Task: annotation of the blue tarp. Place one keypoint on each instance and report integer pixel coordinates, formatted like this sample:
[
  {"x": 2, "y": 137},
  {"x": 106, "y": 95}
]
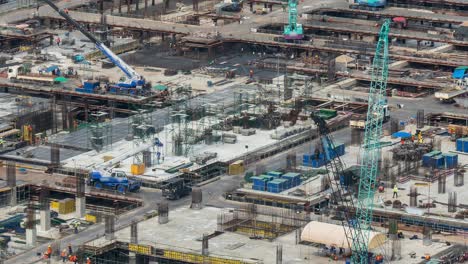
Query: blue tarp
[
  {"x": 459, "y": 72},
  {"x": 51, "y": 68},
  {"x": 401, "y": 134}
]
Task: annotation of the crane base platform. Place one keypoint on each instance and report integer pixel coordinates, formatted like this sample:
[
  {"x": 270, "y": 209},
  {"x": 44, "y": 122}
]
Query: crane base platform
[{"x": 294, "y": 36}]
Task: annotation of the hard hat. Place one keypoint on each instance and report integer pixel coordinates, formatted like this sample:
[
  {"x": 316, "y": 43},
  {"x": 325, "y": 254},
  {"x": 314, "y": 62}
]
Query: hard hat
[
  {"x": 87, "y": 258},
  {"x": 49, "y": 246}
]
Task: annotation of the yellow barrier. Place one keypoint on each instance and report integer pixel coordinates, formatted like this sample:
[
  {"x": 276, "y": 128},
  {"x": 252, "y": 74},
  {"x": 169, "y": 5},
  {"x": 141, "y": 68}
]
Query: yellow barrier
[
  {"x": 137, "y": 169},
  {"x": 198, "y": 259},
  {"x": 142, "y": 249},
  {"x": 91, "y": 218}
]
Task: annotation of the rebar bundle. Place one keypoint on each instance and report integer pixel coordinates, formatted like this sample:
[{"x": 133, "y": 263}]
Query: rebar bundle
[
  {"x": 452, "y": 202},
  {"x": 442, "y": 183}
]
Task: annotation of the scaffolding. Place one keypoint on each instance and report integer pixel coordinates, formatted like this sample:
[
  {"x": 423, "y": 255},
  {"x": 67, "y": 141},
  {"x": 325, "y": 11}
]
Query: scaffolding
[{"x": 195, "y": 122}]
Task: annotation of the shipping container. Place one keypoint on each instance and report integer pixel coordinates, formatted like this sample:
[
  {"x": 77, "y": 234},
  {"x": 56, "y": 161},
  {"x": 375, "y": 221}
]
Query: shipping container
[
  {"x": 426, "y": 160},
  {"x": 258, "y": 188},
  {"x": 459, "y": 144},
  {"x": 438, "y": 161},
  {"x": 294, "y": 178},
  {"x": 451, "y": 160},
  {"x": 274, "y": 186},
  {"x": 275, "y": 174},
  {"x": 465, "y": 145}
]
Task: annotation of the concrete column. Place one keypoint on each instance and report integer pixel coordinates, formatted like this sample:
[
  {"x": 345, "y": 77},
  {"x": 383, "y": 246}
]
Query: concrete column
[
  {"x": 13, "y": 199},
  {"x": 80, "y": 203},
  {"x": 132, "y": 258},
  {"x": 146, "y": 8},
  {"x": 31, "y": 236},
  {"x": 45, "y": 219},
  {"x": 137, "y": 5}
]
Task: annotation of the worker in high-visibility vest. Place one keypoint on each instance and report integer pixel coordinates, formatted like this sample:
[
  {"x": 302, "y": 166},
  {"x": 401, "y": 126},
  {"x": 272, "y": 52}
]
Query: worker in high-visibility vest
[
  {"x": 395, "y": 191},
  {"x": 64, "y": 255},
  {"x": 88, "y": 261},
  {"x": 2, "y": 142},
  {"x": 48, "y": 252},
  {"x": 73, "y": 258}
]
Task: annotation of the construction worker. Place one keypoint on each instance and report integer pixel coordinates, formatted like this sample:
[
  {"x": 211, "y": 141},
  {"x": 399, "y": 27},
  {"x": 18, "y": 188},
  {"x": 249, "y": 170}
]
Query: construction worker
[
  {"x": 64, "y": 255},
  {"x": 88, "y": 261},
  {"x": 73, "y": 258},
  {"x": 381, "y": 188},
  {"x": 2, "y": 142},
  {"x": 70, "y": 250},
  {"x": 48, "y": 252},
  {"x": 395, "y": 191}
]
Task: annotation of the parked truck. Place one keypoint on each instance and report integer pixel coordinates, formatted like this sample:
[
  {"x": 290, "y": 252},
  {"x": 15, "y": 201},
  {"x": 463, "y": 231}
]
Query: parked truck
[
  {"x": 19, "y": 74},
  {"x": 115, "y": 180},
  {"x": 175, "y": 188}
]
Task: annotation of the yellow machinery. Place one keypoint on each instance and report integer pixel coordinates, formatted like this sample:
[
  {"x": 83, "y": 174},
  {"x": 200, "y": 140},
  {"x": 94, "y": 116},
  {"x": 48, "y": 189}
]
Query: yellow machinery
[
  {"x": 28, "y": 134},
  {"x": 236, "y": 167}
]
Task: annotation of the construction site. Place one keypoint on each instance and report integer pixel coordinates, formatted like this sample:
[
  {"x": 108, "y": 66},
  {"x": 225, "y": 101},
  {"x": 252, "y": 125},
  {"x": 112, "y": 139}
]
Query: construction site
[{"x": 233, "y": 131}]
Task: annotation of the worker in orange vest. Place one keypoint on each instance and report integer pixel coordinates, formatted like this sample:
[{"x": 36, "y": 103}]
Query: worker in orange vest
[
  {"x": 73, "y": 258},
  {"x": 48, "y": 253},
  {"x": 64, "y": 255},
  {"x": 88, "y": 261}
]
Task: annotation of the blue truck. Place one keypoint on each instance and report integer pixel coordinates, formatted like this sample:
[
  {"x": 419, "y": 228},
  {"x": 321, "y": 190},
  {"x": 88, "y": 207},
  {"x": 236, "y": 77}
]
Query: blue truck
[{"x": 115, "y": 180}]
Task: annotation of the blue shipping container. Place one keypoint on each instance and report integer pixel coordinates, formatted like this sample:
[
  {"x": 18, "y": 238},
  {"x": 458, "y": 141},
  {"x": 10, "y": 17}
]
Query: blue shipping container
[
  {"x": 459, "y": 144},
  {"x": 465, "y": 145},
  {"x": 426, "y": 160},
  {"x": 451, "y": 160},
  {"x": 258, "y": 188},
  {"x": 275, "y": 174},
  {"x": 438, "y": 161},
  {"x": 274, "y": 186}
]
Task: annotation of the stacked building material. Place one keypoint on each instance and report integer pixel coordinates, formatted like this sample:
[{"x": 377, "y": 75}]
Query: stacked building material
[
  {"x": 320, "y": 160},
  {"x": 64, "y": 206},
  {"x": 276, "y": 181}
]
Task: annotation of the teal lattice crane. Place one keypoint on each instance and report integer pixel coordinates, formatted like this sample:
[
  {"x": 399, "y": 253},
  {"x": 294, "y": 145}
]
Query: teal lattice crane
[
  {"x": 371, "y": 149},
  {"x": 293, "y": 30}
]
